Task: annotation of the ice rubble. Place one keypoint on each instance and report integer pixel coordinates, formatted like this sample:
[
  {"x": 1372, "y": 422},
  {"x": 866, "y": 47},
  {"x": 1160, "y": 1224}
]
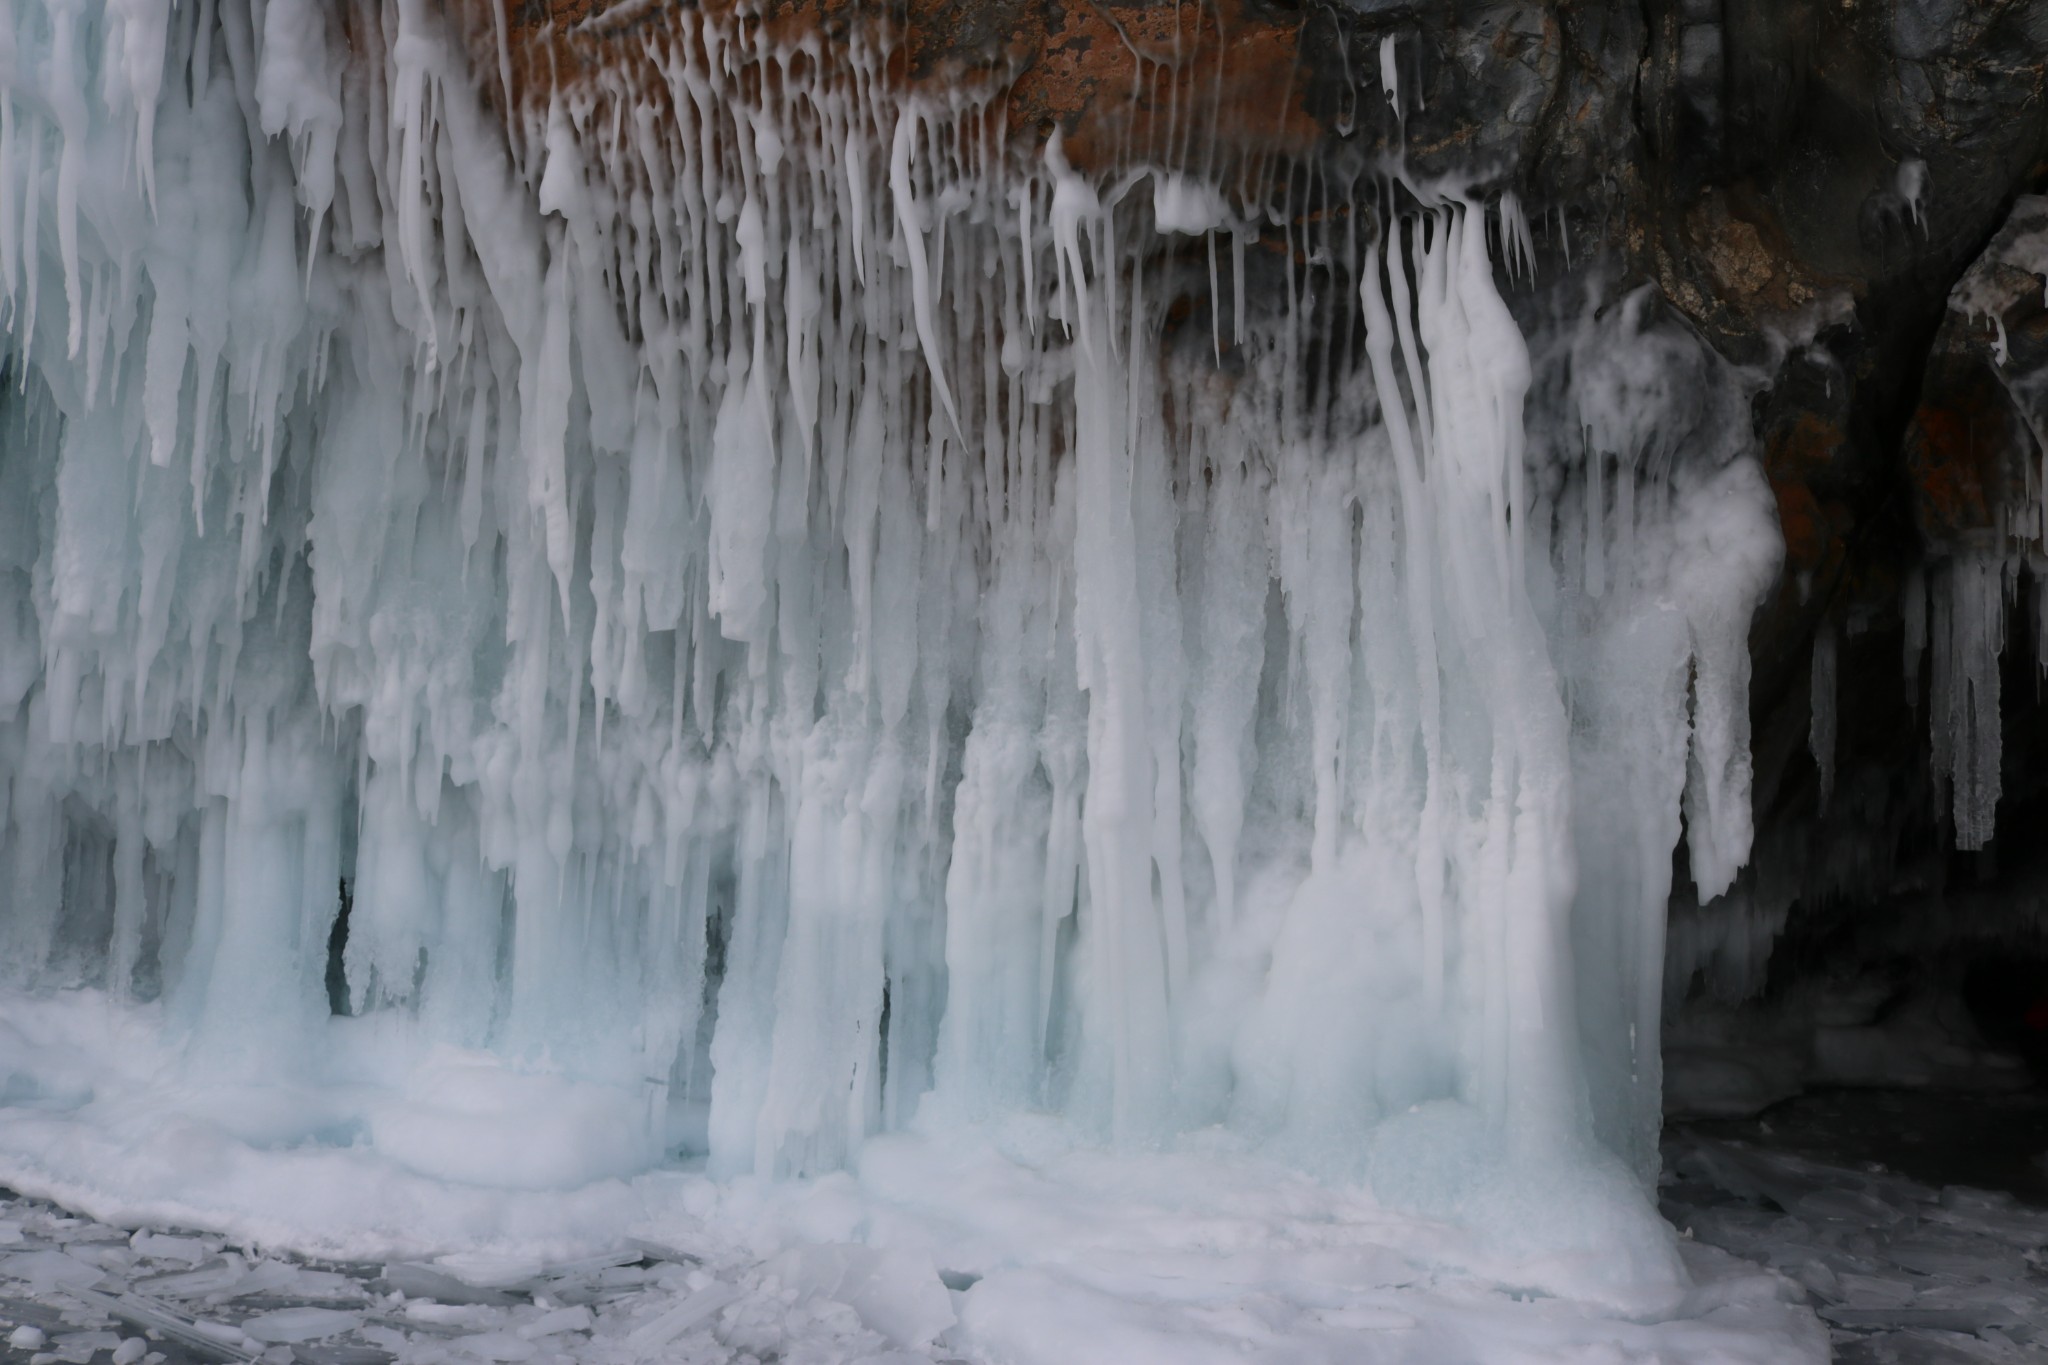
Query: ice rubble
[
  {"x": 142, "y": 1299},
  {"x": 1899, "y": 1270},
  {"x": 742, "y": 577}
]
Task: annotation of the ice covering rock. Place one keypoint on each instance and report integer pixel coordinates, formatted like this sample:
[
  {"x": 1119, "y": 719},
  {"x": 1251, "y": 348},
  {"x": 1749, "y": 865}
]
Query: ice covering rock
[{"x": 778, "y": 630}]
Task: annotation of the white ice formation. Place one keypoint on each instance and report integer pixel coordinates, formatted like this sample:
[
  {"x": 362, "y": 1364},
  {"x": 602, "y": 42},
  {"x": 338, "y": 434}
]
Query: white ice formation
[
  {"x": 779, "y": 623},
  {"x": 1958, "y": 612}
]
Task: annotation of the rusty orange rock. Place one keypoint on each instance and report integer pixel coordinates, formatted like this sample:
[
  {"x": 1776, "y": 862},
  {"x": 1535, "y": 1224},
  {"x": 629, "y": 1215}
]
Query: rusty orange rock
[
  {"x": 1201, "y": 85},
  {"x": 1954, "y": 451},
  {"x": 1797, "y": 456}
]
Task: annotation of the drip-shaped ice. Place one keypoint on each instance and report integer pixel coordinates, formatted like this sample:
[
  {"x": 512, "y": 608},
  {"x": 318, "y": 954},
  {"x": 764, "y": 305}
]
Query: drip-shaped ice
[{"x": 748, "y": 587}]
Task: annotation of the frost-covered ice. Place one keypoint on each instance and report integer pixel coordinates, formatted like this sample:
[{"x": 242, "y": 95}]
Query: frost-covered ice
[{"x": 785, "y": 638}]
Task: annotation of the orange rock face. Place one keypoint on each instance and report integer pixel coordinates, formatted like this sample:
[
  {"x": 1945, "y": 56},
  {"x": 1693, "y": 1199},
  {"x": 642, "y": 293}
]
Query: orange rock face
[
  {"x": 1956, "y": 450},
  {"x": 1795, "y": 458},
  {"x": 1206, "y": 86},
  {"x": 1174, "y": 83}
]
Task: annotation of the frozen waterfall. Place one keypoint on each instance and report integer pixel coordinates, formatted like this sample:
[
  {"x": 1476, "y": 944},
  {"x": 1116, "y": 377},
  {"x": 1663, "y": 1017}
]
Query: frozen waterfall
[{"x": 788, "y": 614}]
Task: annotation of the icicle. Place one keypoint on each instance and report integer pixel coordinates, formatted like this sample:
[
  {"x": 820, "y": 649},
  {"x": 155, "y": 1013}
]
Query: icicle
[
  {"x": 910, "y": 219},
  {"x": 1968, "y": 636},
  {"x": 1910, "y": 183},
  {"x": 1390, "y": 74},
  {"x": 1517, "y": 246}
]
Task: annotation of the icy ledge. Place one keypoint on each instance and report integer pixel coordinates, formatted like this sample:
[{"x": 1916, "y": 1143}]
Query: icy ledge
[{"x": 789, "y": 616}]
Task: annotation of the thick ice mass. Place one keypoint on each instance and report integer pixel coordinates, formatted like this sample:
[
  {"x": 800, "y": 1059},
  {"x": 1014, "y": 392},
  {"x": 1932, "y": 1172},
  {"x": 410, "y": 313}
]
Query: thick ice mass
[{"x": 789, "y": 614}]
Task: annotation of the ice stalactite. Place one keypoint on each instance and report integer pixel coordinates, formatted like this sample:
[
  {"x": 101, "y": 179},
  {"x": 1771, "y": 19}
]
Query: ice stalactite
[
  {"x": 1967, "y": 636},
  {"x": 1956, "y": 611},
  {"x": 779, "y": 618}
]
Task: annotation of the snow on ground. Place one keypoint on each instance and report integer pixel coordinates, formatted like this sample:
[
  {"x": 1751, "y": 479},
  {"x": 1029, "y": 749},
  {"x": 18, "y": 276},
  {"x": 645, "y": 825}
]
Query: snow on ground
[{"x": 1018, "y": 1244}]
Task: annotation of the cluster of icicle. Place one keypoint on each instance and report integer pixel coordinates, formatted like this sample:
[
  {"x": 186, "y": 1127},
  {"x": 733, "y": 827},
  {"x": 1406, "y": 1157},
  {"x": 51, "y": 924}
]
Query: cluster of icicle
[
  {"x": 1956, "y": 611},
  {"x": 745, "y": 585}
]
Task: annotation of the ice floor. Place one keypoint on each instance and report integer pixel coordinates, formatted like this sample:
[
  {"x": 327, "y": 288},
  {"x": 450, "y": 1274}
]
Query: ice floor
[
  {"x": 1022, "y": 1243},
  {"x": 202, "y": 1225},
  {"x": 79, "y": 1291},
  {"x": 1903, "y": 1272},
  {"x": 1898, "y": 1270},
  {"x": 1019, "y": 1242}
]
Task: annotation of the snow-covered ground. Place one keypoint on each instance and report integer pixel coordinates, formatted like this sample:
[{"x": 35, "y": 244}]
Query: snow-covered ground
[
  {"x": 78, "y": 1290},
  {"x": 201, "y": 1226},
  {"x": 1899, "y": 1270},
  {"x": 1017, "y": 1242}
]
